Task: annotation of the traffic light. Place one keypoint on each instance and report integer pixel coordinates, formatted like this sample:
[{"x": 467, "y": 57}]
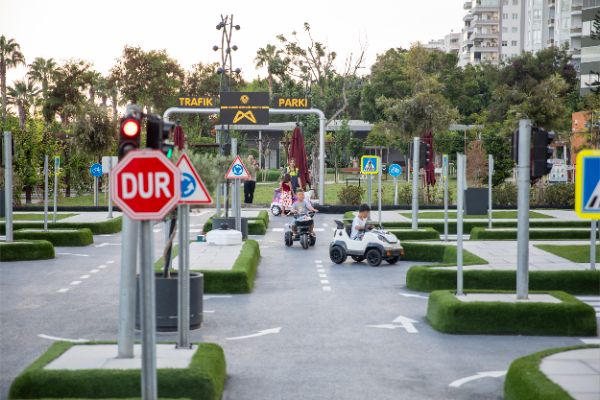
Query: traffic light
[
  {"x": 541, "y": 152},
  {"x": 423, "y": 155},
  {"x": 514, "y": 150},
  {"x": 129, "y": 135},
  {"x": 157, "y": 135}
]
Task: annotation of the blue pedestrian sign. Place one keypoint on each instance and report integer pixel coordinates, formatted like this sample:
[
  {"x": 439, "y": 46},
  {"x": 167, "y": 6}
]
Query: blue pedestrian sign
[
  {"x": 96, "y": 170},
  {"x": 395, "y": 170},
  {"x": 587, "y": 184},
  {"x": 369, "y": 165}
]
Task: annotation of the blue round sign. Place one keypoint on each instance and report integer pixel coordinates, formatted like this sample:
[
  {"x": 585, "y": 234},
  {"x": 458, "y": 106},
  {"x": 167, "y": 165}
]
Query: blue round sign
[
  {"x": 96, "y": 170},
  {"x": 395, "y": 170},
  {"x": 188, "y": 185}
]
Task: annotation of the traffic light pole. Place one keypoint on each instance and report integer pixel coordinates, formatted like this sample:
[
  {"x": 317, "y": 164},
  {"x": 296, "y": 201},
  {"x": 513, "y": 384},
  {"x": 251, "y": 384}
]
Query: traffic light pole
[
  {"x": 523, "y": 209},
  {"x": 593, "y": 246},
  {"x": 8, "y": 186},
  {"x": 183, "y": 278},
  {"x": 415, "y": 189},
  {"x": 369, "y": 192},
  {"x": 45, "y": 193},
  {"x": 148, "y": 313},
  {"x": 460, "y": 184},
  {"x": 127, "y": 295},
  {"x": 379, "y": 197}
]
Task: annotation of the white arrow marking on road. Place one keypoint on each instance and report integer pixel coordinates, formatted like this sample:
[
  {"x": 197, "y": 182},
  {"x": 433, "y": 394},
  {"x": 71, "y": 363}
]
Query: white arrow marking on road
[
  {"x": 490, "y": 374},
  {"x": 414, "y": 295},
  {"x": 260, "y": 333},
  {"x": 407, "y": 324},
  {"x": 384, "y": 326},
  {"x": 63, "y": 340}
]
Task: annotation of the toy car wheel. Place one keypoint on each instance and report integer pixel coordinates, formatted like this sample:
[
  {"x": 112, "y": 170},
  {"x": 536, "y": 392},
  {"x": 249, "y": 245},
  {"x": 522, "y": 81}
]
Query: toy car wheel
[
  {"x": 337, "y": 254},
  {"x": 393, "y": 260},
  {"x": 276, "y": 211},
  {"x": 304, "y": 241},
  {"x": 288, "y": 239},
  {"x": 374, "y": 257},
  {"x": 313, "y": 240},
  {"x": 358, "y": 258}
]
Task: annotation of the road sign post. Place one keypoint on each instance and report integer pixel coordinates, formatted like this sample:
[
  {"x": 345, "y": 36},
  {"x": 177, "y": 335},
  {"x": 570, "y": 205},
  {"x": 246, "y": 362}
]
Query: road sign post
[
  {"x": 96, "y": 171},
  {"x": 587, "y": 194},
  {"x": 45, "y": 193},
  {"x": 8, "y": 186},
  {"x": 490, "y": 173},
  {"x": 379, "y": 197},
  {"x": 369, "y": 165},
  {"x": 107, "y": 165},
  {"x": 415, "y": 189},
  {"x": 395, "y": 171},
  {"x": 127, "y": 293},
  {"x": 460, "y": 193},
  {"x": 523, "y": 209},
  {"x": 445, "y": 175},
  {"x": 56, "y": 171}
]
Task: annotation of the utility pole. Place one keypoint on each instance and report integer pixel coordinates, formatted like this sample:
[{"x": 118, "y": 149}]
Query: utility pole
[
  {"x": 523, "y": 209},
  {"x": 415, "y": 189}
]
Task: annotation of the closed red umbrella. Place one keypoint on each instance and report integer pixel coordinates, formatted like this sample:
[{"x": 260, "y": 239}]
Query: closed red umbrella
[
  {"x": 429, "y": 168},
  {"x": 179, "y": 138},
  {"x": 298, "y": 151}
]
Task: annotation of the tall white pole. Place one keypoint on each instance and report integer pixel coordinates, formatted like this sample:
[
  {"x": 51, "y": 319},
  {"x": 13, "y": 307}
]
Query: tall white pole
[
  {"x": 523, "y": 209},
  {"x": 460, "y": 177},
  {"x": 56, "y": 165},
  {"x": 593, "y": 246},
  {"x": 183, "y": 278},
  {"x": 415, "y": 189},
  {"x": 379, "y": 197},
  {"x": 321, "y": 160},
  {"x": 490, "y": 173},
  {"x": 110, "y": 215},
  {"x": 445, "y": 172},
  {"x": 127, "y": 295},
  {"x": 148, "y": 313},
  {"x": 235, "y": 195},
  {"x": 46, "y": 192},
  {"x": 8, "y": 185},
  {"x": 395, "y": 191}
]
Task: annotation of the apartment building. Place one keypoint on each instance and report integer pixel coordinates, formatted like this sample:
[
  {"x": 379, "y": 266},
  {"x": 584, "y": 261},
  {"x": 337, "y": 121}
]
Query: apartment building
[
  {"x": 450, "y": 43},
  {"x": 493, "y": 30},
  {"x": 590, "y": 48}
]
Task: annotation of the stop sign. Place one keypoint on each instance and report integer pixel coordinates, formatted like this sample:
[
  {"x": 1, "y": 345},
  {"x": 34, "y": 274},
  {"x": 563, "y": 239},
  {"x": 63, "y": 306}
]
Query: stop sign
[{"x": 145, "y": 185}]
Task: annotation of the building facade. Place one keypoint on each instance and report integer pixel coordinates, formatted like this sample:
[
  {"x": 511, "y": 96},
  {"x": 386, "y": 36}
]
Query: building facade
[{"x": 590, "y": 48}]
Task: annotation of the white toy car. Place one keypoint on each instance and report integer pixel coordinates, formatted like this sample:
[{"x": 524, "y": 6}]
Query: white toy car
[{"x": 376, "y": 245}]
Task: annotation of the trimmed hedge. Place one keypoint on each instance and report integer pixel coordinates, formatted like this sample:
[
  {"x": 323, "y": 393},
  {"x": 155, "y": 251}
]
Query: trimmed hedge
[
  {"x": 468, "y": 225},
  {"x": 256, "y": 225},
  {"x": 37, "y": 250},
  {"x": 427, "y": 278},
  {"x": 428, "y": 234},
  {"x": 547, "y": 234},
  {"x": 98, "y": 228},
  {"x": 239, "y": 279},
  {"x": 572, "y": 317},
  {"x": 203, "y": 379},
  {"x": 525, "y": 381},
  {"x": 66, "y": 238},
  {"x": 440, "y": 253}
]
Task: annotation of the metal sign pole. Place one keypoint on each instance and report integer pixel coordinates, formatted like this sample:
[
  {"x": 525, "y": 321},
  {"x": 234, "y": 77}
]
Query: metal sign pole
[
  {"x": 56, "y": 165},
  {"x": 369, "y": 193},
  {"x": 415, "y": 188},
  {"x": 593, "y": 246},
  {"x": 183, "y": 281},
  {"x": 491, "y": 171},
  {"x": 148, "y": 314},
  {"x": 445, "y": 172},
  {"x": 8, "y": 186},
  {"x": 96, "y": 197},
  {"x": 235, "y": 196},
  {"x": 395, "y": 191},
  {"x": 129, "y": 241},
  {"x": 46, "y": 192},
  {"x": 379, "y": 197},
  {"x": 108, "y": 188},
  {"x": 523, "y": 209},
  {"x": 459, "y": 223}
]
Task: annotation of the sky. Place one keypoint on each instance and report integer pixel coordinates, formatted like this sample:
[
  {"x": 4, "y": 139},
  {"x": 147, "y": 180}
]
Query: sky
[{"x": 98, "y": 30}]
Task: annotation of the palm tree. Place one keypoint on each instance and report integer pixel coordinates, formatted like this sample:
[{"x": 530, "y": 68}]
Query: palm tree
[
  {"x": 10, "y": 57},
  {"x": 40, "y": 70},
  {"x": 113, "y": 86},
  {"x": 23, "y": 95},
  {"x": 264, "y": 58},
  {"x": 91, "y": 79}
]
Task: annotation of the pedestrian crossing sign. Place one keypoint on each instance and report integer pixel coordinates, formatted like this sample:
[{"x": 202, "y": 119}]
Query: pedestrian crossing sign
[
  {"x": 369, "y": 165},
  {"x": 587, "y": 184}
]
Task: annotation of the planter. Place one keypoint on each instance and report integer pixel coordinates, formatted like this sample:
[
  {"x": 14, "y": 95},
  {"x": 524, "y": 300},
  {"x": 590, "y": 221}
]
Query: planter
[
  {"x": 166, "y": 302},
  {"x": 216, "y": 224},
  {"x": 476, "y": 201}
]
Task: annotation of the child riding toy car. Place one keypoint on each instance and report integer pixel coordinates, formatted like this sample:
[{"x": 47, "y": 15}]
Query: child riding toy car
[
  {"x": 301, "y": 229},
  {"x": 275, "y": 205}
]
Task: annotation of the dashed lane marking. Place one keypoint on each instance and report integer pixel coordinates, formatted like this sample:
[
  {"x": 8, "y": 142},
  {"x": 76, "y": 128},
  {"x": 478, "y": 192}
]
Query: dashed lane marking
[
  {"x": 325, "y": 225},
  {"x": 110, "y": 262},
  {"x": 327, "y": 288},
  {"x": 325, "y": 282},
  {"x": 94, "y": 271},
  {"x": 157, "y": 230},
  {"x": 320, "y": 270},
  {"x": 72, "y": 254},
  {"x": 102, "y": 266},
  {"x": 318, "y": 261},
  {"x": 84, "y": 276},
  {"x": 277, "y": 229},
  {"x": 322, "y": 275},
  {"x": 75, "y": 282},
  {"x": 63, "y": 290}
]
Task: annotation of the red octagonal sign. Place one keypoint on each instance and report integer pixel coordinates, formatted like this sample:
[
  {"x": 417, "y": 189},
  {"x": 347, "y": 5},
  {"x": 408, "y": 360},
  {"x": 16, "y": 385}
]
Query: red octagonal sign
[{"x": 145, "y": 185}]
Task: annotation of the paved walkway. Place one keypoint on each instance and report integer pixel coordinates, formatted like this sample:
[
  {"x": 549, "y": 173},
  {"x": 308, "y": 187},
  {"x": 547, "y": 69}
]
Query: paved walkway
[
  {"x": 576, "y": 371},
  {"x": 553, "y": 215},
  {"x": 209, "y": 257}
]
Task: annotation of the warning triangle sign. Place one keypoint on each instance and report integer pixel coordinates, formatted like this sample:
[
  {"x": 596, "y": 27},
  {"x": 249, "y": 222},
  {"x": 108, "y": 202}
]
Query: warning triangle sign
[
  {"x": 193, "y": 190},
  {"x": 237, "y": 170}
]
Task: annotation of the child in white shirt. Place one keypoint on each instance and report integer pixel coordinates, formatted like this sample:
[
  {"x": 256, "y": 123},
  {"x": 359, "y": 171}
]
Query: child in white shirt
[{"x": 360, "y": 222}]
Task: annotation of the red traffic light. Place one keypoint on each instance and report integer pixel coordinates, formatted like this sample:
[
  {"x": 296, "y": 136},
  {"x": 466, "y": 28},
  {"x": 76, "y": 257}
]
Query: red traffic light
[{"x": 131, "y": 128}]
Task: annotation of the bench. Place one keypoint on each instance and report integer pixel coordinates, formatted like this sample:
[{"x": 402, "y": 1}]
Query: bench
[{"x": 352, "y": 171}]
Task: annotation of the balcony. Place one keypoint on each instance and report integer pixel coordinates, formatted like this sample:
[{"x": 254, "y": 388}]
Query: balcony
[
  {"x": 575, "y": 31},
  {"x": 551, "y": 22},
  {"x": 467, "y": 5},
  {"x": 576, "y": 6},
  {"x": 550, "y": 42},
  {"x": 486, "y": 49},
  {"x": 551, "y": 3},
  {"x": 468, "y": 17},
  {"x": 575, "y": 53},
  {"x": 485, "y": 22},
  {"x": 481, "y": 36},
  {"x": 485, "y": 6}
]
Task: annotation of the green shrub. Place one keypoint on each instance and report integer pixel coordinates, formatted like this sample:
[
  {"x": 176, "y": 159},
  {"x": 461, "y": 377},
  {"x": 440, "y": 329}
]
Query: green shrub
[
  {"x": 26, "y": 250},
  {"x": 98, "y": 228},
  {"x": 525, "y": 381},
  {"x": 558, "y": 194},
  {"x": 549, "y": 234},
  {"x": 58, "y": 237},
  {"x": 468, "y": 225},
  {"x": 571, "y": 317},
  {"x": 255, "y": 226},
  {"x": 504, "y": 194},
  {"x": 351, "y": 195},
  {"x": 429, "y": 233},
  {"x": 203, "y": 379},
  {"x": 439, "y": 253}
]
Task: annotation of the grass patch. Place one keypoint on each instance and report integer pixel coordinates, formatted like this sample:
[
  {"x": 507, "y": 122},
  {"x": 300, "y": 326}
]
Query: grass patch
[
  {"x": 30, "y": 251},
  {"x": 423, "y": 234},
  {"x": 239, "y": 279},
  {"x": 572, "y": 317},
  {"x": 98, "y": 228},
  {"x": 64, "y": 238},
  {"x": 469, "y": 225},
  {"x": 575, "y": 253},
  {"x": 495, "y": 215},
  {"x": 38, "y": 217},
  {"x": 546, "y": 234},
  {"x": 203, "y": 379},
  {"x": 525, "y": 381},
  {"x": 444, "y": 254}
]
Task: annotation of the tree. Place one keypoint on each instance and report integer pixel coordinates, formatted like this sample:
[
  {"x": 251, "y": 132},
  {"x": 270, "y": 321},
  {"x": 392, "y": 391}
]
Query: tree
[
  {"x": 92, "y": 81},
  {"x": 64, "y": 95},
  {"x": 41, "y": 71},
  {"x": 339, "y": 138},
  {"x": 94, "y": 132},
  {"x": 269, "y": 58},
  {"x": 10, "y": 57},
  {"x": 23, "y": 95},
  {"x": 356, "y": 148}
]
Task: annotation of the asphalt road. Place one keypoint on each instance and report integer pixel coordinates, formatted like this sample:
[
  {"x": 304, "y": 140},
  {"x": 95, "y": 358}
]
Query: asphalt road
[{"x": 324, "y": 348}]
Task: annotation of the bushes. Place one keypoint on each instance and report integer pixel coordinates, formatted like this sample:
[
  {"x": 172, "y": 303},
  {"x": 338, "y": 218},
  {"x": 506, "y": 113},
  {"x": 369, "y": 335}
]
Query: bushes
[
  {"x": 468, "y": 225},
  {"x": 436, "y": 194},
  {"x": 547, "y": 234},
  {"x": 97, "y": 228},
  {"x": 58, "y": 237},
  {"x": 445, "y": 254},
  {"x": 351, "y": 195},
  {"x": 29, "y": 251},
  {"x": 553, "y": 194},
  {"x": 571, "y": 317},
  {"x": 421, "y": 234}
]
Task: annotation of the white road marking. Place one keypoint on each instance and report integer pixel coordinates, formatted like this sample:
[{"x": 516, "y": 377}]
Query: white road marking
[
  {"x": 318, "y": 262},
  {"x": 72, "y": 254},
  {"x": 407, "y": 324},
  {"x": 384, "y": 326},
  {"x": 75, "y": 282},
  {"x": 102, "y": 266},
  {"x": 63, "y": 339},
  {"x": 195, "y": 230},
  {"x": 318, "y": 229},
  {"x": 216, "y": 297},
  {"x": 110, "y": 262},
  {"x": 208, "y": 312},
  {"x": 101, "y": 245},
  {"x": 325, "y": 225},
  {"x": 590, "y": 341},
  {"x": 157, "y": 230},
  {"x": 84, "y": 276},
  {"x": 320, "y": 270},
  {"x": 277, "y": 229},
  {"x": 63, "y": 290},
  {"x": 202, "y": 213},
  {"x": 322, "y": 275},
  {"x": 327, "y": 288},
  {"x": 414, "y": 295},
  {"x": 490, "y": 374},
  {"x": 325, "y": 282},
  {"x": 106, "y": 235},
  {"x": 94, "y": 271},
  {"x": 260, "y": 333}
]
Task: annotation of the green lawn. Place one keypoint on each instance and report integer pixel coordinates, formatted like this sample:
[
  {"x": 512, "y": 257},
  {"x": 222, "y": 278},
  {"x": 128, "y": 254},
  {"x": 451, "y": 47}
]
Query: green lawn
[
  {"x": 38, "y": 217},
  {"x": 578, "y": 253},
  {"x": 495, "y": 215},
  {"x": 86, "y": 200}
]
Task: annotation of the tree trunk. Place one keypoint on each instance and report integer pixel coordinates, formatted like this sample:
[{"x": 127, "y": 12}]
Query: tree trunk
[
  {"x": 92, "y": 93},
  {"x": 22, "y": 117},
  {"x": 314, "y": 171},
  {"x": 114, "y": 107},
  {"x": 28, "y": 191},
  {"x": 270, "y": 79},
  {"x": 64, "y": 121}
]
